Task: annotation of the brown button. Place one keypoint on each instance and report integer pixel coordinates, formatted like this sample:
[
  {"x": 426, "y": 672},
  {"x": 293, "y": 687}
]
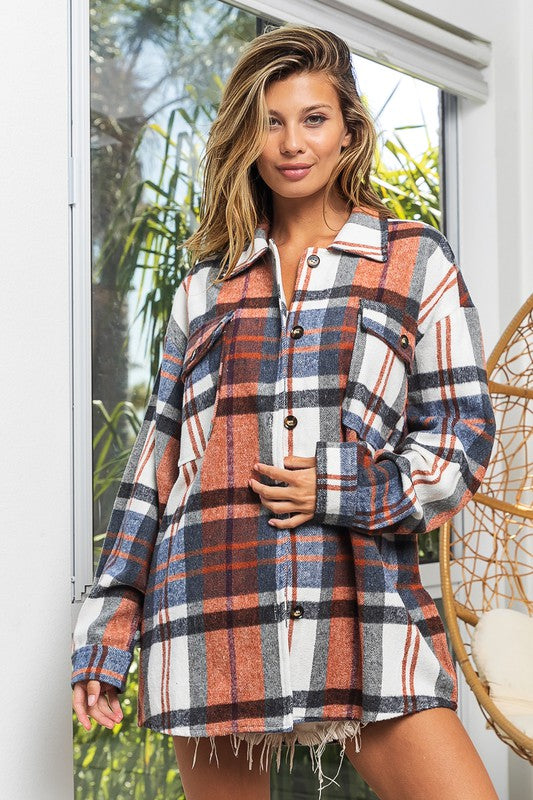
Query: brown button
[
  {"x": 404, "y": 341},
  {"x": 290, "y": 422},
  {"x": 297, "y": 332},
  {"x": 297, "y": 612},
  {"x": 313, "y": 260}
]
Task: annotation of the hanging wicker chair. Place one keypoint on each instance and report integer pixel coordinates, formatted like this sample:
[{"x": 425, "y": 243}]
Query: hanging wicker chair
[{"x": 487, "y": 562}]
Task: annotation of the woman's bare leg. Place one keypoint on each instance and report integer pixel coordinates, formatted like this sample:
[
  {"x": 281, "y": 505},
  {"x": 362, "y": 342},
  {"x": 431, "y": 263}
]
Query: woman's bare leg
[
  {"x": 231, "y": 779},
  {"x": 421, "y": 755}
]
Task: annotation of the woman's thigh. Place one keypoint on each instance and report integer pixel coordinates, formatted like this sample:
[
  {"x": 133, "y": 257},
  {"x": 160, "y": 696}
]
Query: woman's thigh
[
  {"x": 232, "y": 778},
  {"x": 421, "y": 755}
]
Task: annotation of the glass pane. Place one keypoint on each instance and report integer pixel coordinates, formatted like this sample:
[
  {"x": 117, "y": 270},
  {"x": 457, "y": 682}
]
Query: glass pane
[
  {"x": 406, "y": 114},
  {"x": 157, "y": 72}
]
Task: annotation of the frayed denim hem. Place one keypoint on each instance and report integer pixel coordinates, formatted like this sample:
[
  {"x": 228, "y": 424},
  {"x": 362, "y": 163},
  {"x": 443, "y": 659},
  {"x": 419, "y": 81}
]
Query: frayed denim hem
[{"x": 315, "y": 735}]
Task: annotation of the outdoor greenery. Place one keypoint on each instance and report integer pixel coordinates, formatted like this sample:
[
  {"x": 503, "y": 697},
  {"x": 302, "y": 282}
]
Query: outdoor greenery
[
  {"x": 132, "y": 763},
  {"x": 127, "y": 762},
  {"x": 139, "y": 221}
]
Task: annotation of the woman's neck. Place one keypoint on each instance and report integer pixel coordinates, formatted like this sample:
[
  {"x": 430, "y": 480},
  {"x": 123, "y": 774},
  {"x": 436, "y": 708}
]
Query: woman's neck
[{"x": 301, "y": 220}]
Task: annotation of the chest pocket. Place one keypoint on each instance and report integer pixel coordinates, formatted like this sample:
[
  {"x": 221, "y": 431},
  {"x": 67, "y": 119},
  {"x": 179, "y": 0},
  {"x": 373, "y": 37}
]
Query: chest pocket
[
  {"x": 201, "y": 370},
  {"x": 376, "y": 390}
]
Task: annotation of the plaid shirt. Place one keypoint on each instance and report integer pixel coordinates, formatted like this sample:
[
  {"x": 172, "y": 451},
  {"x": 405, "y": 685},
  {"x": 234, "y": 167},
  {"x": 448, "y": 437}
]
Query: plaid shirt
[{"x": 378, "y": 370}]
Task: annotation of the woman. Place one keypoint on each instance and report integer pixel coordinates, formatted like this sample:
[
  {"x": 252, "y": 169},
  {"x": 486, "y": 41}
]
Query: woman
[{"x": 321, "y": 401}]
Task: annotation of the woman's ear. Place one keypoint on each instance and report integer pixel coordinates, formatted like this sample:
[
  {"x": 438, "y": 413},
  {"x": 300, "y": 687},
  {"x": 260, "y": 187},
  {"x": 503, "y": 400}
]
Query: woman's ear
[{"x": 347, "y": 139}]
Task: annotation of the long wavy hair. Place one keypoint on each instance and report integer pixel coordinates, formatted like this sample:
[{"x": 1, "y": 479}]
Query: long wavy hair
[{"x": 235, "y": 199}]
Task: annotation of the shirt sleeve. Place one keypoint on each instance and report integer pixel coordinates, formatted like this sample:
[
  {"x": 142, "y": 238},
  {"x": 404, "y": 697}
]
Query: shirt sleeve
[
  {"x": 107, "y": 627},
  {"x": 449, "y": 426}
]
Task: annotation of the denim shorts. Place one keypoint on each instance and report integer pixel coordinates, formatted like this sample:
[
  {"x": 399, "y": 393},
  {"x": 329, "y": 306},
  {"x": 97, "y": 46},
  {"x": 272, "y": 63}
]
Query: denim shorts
[{"x": 314, "y": 735}]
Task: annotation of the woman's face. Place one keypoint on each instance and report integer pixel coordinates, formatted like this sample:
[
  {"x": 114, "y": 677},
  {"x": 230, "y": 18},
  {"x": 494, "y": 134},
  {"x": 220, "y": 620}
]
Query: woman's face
[{"x": 306, "y": 134}]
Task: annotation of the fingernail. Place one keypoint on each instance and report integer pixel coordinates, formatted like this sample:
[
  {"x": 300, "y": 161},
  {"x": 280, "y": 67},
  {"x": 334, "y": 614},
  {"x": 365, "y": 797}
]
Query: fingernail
[{"x": 92, "y": 699}]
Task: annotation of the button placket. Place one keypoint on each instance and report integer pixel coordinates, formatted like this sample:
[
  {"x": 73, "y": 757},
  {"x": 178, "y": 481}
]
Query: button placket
[
  {"x": 280, "y": 433},
  {"x": 296, "y": 332}
]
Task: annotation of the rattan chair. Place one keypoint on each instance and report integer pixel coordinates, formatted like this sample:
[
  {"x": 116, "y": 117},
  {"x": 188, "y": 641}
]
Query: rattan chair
[{"x": 487, "y": 562}]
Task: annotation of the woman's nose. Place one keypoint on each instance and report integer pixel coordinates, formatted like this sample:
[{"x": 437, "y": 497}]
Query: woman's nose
[{"x": 292, "y": 139}]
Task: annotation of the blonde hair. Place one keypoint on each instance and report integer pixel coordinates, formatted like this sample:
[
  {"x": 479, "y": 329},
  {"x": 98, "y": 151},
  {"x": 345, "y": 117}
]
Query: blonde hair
[{"x": 235, "y": 198}]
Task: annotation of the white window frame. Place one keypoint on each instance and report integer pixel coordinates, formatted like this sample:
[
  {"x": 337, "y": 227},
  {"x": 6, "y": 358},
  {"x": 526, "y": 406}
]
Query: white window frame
[
  {"x": 396, "y": 35},
  {"x": 79, "y": 159}
]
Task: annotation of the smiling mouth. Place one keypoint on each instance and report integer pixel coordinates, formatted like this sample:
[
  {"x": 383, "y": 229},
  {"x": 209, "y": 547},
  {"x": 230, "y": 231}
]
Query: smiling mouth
[{"x": 294, "y": 172}]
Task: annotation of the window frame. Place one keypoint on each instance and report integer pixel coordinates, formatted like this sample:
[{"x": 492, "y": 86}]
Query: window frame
[
  {"x": 79, "y": 192},
  {"x": 404, "y": 38}
]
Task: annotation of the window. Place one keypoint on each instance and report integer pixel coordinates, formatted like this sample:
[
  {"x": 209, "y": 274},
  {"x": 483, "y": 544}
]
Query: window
[{"x": 156, "y": 76}]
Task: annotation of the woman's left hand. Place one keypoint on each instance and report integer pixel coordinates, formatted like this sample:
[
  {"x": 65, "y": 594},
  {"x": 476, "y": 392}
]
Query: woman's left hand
[{"x": 298, "y": 498}]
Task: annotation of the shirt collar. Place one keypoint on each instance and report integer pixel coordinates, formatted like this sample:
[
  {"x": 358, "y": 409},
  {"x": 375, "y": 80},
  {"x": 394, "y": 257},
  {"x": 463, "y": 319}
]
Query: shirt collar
[{"x": 364, "y": 233}]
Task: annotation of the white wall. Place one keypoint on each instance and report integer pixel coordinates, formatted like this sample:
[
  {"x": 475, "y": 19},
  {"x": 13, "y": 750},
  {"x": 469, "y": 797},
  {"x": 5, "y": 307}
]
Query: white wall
[
  {"x": 496, "y": 175},
  {"x": 495, "y": 172},
  {"x": 35, "y": 471}
]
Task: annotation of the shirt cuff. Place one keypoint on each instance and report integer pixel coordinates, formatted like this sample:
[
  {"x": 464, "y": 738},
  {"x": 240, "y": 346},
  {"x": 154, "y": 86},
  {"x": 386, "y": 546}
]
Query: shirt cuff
[
  {"x": 336, "y": 483},
  {"x": 101, "y": 663}
]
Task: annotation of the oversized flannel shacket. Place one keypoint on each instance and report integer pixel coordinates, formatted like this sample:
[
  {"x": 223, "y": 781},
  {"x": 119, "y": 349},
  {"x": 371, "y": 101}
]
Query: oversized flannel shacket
[{"x": 378, "y": 370}]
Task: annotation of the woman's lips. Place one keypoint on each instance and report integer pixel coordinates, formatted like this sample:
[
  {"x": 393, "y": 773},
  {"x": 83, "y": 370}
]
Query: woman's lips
[{"x": 295, "y": 173}]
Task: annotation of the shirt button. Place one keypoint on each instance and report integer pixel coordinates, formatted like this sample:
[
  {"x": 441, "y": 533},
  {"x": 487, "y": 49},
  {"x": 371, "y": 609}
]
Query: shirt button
[
  {"x": 297, "y": 612},
  {"x": 313, "y": 260},
  {"x": 290, "y": 421},
  {"x": 297, "y": 332},
  {"x": 404, "y": 341}
]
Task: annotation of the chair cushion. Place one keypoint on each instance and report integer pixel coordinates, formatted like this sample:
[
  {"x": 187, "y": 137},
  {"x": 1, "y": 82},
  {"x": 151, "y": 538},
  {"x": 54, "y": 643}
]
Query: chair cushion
[{"x": 502, "y": 649}]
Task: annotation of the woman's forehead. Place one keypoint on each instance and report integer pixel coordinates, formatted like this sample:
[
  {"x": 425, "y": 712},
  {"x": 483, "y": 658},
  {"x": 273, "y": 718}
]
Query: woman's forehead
[{"x": 307, "y": 90}]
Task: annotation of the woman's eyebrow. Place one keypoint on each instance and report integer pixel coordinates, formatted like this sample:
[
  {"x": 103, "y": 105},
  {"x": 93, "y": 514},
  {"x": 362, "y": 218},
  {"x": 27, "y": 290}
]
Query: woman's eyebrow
[{"x": 306, "y": 109}]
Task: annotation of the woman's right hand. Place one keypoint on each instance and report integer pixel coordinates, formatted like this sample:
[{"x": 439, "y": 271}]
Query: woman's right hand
[{"x": 98, "y": 700}]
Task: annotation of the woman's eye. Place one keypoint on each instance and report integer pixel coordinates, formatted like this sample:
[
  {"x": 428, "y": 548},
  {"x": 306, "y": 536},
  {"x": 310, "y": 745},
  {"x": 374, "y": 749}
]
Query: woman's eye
[{"x": 318, "y": 118}]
